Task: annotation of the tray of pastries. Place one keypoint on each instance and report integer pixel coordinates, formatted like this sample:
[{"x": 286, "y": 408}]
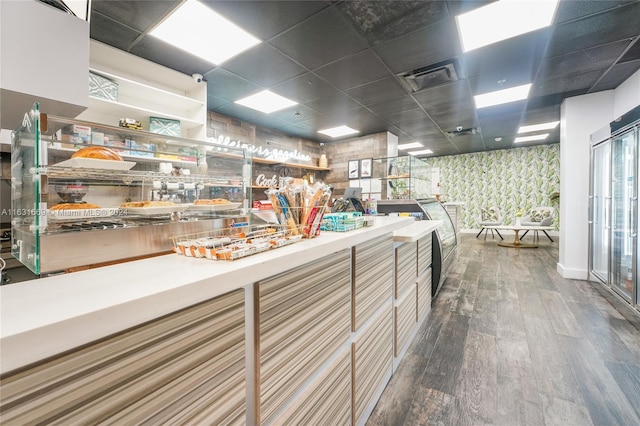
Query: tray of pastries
[
  {"x": 96, "y": 157},
  {"x": 213, "y": 205},
  {"x": 71, "y": 211},
  {"x": 233, "y": 247},
  {"x": 151, "y": 208}
]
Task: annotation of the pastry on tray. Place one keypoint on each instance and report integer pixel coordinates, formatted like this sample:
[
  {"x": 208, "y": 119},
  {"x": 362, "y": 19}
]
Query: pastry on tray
[
  {"x": 141, "y": 204},
  {"x": 212, "y": 202},
  {"x": 97, "y": 152},
  {"x": 74, "y": 206}
]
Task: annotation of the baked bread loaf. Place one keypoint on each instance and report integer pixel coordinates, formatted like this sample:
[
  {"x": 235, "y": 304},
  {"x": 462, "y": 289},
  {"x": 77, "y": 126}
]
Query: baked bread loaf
[
  {"x": 74, "y": 206},
  {"x": 132, "y": 204},
  {"x": 139, "y": 204},
  {"x": 97, "y": 152},
  {"x": 214, "y": 201}
]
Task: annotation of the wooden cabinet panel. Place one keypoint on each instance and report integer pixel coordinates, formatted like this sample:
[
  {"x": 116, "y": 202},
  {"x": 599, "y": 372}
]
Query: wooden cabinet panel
[
  {"x": 304, "y": 316},
  {"x": 424, "y": 253},
  {"x": 372, "y": 360},
  {"x": 373, "y": 278},
  {"x": 406, "y": 267},
  {"x": 327, "y": 401},
  {"x": 423, "y": 289},
  {"x": 188, "y": 366},
  {"x": 405, "y": 319}
]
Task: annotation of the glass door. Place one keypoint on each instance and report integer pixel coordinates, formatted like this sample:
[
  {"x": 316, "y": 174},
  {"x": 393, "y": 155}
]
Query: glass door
[
  {"x": 600, "y": 201},
  {"x": 623, "y": 208},
  {"x": 635, "y": 281}
]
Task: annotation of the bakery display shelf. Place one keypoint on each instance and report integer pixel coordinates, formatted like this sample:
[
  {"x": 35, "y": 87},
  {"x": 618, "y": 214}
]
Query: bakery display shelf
[
  {"x": 213, "y": 207},
  {"x": 154, "y": 211},
  {"x": 96, "y": 163},
  {"x": 153, "y": 167},
  {"x": 81, "y": 214},
  {"x": 233, "y": 243},
  {"x": 169, "y": 157},
  {"x": 59, "y": 226},
  {"x": 172, "y": 157},
  {"x": 131, "y": 176}
]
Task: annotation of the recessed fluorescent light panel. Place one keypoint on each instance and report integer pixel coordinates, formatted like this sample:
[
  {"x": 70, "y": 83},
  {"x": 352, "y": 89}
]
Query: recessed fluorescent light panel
[
  {"x": 513, "y": 94},
  {"x": 503, "y": 19},
  {"x": 531, "y": 138},
  {"x": 410, "y": 145},
  {"x": 199, "y": 30},
  {"x": 266, "y": 101},
  {"x": 421, "y": 152},
  {"x": 537, "y": 127},
  {"x": 335, "y": 132}
]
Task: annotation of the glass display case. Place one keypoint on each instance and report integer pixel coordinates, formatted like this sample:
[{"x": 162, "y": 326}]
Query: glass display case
[
  {"x": 402, "y": 178},
  {"x": 613, "y": 207},
  {"x": 445, "y": 243},
  {"x": 84, "y": 193}
]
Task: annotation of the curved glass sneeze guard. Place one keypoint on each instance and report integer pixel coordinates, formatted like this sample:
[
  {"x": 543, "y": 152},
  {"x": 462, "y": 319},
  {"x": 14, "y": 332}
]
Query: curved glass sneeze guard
[{"x": 436, "y": 211}]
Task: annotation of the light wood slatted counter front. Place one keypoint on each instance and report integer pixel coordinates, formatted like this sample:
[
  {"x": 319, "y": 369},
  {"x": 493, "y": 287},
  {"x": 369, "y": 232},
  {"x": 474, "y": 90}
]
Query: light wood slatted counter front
[
  {"x": 412, "y": 303},
  {"x": 302, "y": 335}
]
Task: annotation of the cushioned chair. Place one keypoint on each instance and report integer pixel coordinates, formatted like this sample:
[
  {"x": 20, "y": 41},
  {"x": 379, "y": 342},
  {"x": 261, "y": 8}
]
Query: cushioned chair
[
  {"x": 538, "y": 216},
  {"x": 490, "y": 216}
]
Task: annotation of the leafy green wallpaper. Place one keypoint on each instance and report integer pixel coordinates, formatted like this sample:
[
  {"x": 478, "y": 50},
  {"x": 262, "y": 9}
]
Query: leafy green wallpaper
[{"x": 512, "y": 179}]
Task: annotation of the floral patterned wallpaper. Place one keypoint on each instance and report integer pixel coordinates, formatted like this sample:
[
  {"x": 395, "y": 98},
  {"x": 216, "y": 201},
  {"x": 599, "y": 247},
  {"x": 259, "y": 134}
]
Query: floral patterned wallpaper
[{"x": 512, "y": 179}]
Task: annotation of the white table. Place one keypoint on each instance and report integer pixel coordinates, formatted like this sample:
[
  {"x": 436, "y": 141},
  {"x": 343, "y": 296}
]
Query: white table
[{"x": 516, "y": 229}]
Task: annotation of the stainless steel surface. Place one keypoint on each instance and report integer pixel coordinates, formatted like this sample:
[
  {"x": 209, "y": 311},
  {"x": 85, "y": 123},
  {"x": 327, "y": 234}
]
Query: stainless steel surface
[
  {"x": 72, "y": 249},
  {"x": 599, "y": 211},
  {"x": 397, "y": 206}
]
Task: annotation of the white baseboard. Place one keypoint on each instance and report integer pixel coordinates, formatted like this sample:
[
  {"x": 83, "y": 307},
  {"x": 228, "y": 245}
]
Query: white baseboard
[{"x": 572, "y": 273}]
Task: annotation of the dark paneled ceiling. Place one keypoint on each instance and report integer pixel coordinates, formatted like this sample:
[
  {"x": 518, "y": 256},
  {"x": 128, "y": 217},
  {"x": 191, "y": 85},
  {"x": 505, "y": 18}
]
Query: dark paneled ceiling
[{"x": 343, "y": 62}]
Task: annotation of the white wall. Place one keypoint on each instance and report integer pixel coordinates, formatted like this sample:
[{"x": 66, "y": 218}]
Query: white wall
[
  {"x": 627, "y": 95},
  {"x": 45, "y": 58},
  {"x": 580, "y": 117}
]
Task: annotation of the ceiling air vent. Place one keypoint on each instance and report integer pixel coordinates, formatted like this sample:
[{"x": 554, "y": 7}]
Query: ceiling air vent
[
  {"x": 459, "y": 131},
  {"x": 430, "y": 76}
]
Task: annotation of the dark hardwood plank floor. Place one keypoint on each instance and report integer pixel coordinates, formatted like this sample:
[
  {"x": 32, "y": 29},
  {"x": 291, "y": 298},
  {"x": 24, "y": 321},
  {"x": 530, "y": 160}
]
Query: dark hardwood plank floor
[{"x": 511, "y": 342}]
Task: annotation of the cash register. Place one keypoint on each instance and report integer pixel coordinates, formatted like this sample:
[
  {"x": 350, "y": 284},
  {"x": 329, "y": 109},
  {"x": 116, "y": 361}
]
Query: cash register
[{"x": 350, "y": 201}]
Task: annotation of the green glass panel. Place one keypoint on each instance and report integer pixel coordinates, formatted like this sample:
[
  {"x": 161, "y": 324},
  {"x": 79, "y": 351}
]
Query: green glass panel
[{"x": 25, "y": 190}]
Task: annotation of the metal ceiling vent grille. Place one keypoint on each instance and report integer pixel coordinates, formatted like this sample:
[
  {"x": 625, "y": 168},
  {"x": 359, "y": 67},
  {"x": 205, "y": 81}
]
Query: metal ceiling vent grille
[
  {"x": 459, "y": 131},
  {"x": 429, "y": 76}
]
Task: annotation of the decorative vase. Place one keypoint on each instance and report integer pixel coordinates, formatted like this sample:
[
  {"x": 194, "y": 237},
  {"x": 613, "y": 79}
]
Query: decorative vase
[
  {"x": 517, "y": 220},
  {"x": 323, "y": 161}
]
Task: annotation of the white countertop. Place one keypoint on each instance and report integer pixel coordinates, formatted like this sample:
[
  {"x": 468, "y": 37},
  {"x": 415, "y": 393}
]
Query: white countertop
[
  {"x": 415, "y": 231},
  {"x": 44, "y": 317}
]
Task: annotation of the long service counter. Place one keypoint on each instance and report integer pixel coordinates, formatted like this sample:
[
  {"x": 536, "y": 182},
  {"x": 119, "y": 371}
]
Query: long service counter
[{"x": 310, "y": 332}]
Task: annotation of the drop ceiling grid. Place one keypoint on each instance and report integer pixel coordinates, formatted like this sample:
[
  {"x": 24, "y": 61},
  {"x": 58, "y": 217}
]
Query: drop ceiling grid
[{"x": 340, "y": 59}]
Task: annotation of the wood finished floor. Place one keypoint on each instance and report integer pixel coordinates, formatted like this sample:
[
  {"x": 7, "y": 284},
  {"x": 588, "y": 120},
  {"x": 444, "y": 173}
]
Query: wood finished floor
[{"x": 510, "y": 342}]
